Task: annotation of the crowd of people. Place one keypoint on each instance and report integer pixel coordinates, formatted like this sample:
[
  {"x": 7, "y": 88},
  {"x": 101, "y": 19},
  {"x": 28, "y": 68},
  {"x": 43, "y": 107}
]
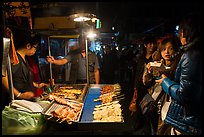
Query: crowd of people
[
  {"x": 179, "y": 82},
  {"x": 180, "y": 85}
]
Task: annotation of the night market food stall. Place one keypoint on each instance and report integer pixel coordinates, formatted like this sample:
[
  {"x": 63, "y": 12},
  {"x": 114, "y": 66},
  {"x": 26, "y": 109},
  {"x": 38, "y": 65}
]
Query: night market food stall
[
  {"x": 73, "y": 109},
  {"x": 72, "y": 106}
]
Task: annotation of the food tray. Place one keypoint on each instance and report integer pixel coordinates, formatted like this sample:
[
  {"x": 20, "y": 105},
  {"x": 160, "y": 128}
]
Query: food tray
[
  {"x": 79, "y": 97},
  {"x": 89, "y": 105},
  {"x": 55, "y": 105}
]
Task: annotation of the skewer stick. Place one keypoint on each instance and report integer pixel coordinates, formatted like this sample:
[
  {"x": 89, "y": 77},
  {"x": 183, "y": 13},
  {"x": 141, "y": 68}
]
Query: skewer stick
[
  {"x": 118, "y": 89},
  {"x": 57, "y": 119},
  {"x": 118, "y": 99},
  {"x": 62, "y": 120},
  {"x": 107, "y": 104},
  {"x": 49, "y": 117},
  {"x": 119, "y": 96}
]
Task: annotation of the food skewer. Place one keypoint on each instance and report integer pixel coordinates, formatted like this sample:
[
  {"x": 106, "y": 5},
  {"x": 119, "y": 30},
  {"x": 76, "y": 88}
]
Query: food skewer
[
  {"x": 104, "y": 97},
  {"x": 107, "y": 104}
]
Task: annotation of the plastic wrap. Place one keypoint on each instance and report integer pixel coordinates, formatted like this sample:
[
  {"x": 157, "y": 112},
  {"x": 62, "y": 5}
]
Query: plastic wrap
[{"x": 17, "y": 122}]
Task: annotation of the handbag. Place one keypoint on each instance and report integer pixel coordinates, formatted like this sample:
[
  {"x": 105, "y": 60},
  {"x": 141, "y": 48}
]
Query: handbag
[
  {"x": 148, "y": 104},
  {"x": 176, "y": 116}
]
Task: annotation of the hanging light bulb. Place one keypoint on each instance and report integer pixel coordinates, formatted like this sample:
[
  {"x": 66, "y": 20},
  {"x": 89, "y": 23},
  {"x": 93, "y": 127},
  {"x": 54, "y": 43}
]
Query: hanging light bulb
[
  {"x": 81, "y": 17},
  {"x": 91, "y": 35}
]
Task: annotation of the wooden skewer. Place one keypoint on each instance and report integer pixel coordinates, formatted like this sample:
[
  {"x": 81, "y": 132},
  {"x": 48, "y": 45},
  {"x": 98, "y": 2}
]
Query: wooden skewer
[
  {"x": 57, "y": 119},
  {"x": 116, "y": 92},
  {"x": 102, "y": 107},
  {"x": 98, "y": 99},
  {"x": 49, "y": 117},
  {"x": 115, "y": 96},
  {"x": 107, "y": 104},
  {"x": 62, "y": 120},
  {"x": 118, "y": 99},
  {"x": 117, "y": 89},
  {"x": 119, "y": 96}
]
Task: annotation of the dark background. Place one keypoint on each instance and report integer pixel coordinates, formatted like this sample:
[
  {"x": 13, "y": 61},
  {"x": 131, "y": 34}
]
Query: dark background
[{"x": 141, "y": 16}]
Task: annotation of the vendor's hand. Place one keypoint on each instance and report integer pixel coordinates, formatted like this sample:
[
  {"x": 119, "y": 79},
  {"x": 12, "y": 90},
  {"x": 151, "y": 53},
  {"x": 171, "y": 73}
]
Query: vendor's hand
[
  {"x": 27, "y": 95},
  {"x": 50, "y": 59},
  {"x": 159, "y": 81}
]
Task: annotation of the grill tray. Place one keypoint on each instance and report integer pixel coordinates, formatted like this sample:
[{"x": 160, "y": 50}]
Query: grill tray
[
  {"x": 55, "y": 105},
  {"x": 80, "y": 97}
]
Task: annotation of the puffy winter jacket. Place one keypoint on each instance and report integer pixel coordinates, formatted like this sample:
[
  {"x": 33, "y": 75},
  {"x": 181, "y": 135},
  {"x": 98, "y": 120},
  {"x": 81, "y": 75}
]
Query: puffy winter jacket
[{"x": 187, "y": 85}]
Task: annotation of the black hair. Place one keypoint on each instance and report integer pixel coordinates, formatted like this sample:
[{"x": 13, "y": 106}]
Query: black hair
[
  {"x": 22, "y": 38},
  {"x": 149, "y": 39},
  {"x": 35, "y": 39},
  {"x": 191, "y": 26}
]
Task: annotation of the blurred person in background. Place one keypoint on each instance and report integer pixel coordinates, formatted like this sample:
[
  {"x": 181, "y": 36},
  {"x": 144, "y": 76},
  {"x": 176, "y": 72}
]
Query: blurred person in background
[
  {"x": 142, "y": 58},
  {"x": 108, "y": 66},
  {"x": 77, "y": 57}
]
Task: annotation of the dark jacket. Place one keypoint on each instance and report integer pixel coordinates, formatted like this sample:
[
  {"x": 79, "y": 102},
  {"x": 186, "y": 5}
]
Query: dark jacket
[{"x": 186, "y": 88}]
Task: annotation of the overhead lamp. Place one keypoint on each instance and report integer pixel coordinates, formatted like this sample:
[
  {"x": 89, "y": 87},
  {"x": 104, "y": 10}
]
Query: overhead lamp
[
  {"x": 94, "y": 19},
  {"x": 81, "y": 17},
  {"x": 91, "y": 35}
]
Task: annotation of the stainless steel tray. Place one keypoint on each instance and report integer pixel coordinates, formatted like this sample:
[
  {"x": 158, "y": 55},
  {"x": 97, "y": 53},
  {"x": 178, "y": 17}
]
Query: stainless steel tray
[
  {"x": 55, "y": 105},
  {"x": 80, "y": 97}
]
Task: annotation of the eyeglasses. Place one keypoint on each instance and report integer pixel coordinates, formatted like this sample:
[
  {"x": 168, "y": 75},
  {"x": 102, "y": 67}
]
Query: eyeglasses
[{"x": 35, "y": 46}]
